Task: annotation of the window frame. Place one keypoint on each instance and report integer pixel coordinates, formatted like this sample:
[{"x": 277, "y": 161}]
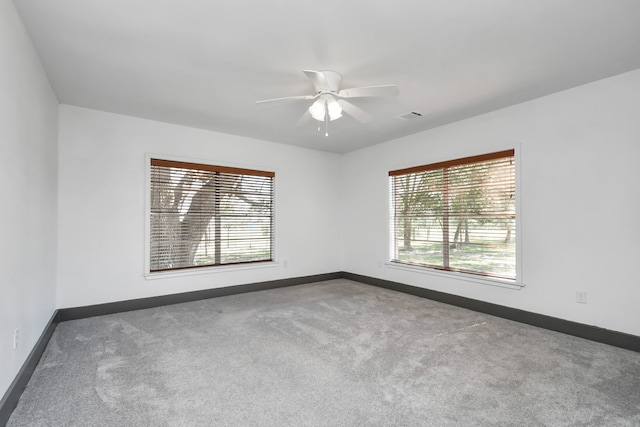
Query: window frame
[
  {"x": 204, "y": 269},
  {"x": 515, "y": 283}
]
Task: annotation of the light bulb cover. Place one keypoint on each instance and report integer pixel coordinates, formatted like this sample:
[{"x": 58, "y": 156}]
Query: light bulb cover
[
  {"x": 317, "y": 110},
  {"x": 334, "y": 109}
]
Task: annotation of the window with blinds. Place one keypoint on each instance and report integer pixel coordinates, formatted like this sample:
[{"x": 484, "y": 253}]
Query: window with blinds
[
  {"x": 458, "y": 215},
  {"x": 204, "y": 215}
]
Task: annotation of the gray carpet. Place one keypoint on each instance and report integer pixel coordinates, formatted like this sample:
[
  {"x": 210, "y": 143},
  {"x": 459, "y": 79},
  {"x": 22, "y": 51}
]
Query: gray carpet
[{"x": 336, "y": 353}]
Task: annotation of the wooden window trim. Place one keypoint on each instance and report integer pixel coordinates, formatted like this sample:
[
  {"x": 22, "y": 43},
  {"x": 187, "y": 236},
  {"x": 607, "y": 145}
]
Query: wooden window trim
[
  {"x": 210, "y": 168},
  {"x": 455, "y": 162}
]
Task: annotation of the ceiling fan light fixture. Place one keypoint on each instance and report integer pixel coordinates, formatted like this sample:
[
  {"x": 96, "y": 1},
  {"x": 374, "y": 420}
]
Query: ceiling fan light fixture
[
  {"x": 317, "y": 110},
  {"x": 334, "y": 109},
  {"x": 325, "y": 105}
]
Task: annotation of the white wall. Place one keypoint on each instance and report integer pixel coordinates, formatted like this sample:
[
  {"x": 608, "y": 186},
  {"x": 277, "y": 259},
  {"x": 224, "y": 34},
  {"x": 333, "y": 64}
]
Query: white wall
[
  {"x": 580, "y": 201},
  {"x": 102, "y": 213},
  {"x": 28, "y": 146}
]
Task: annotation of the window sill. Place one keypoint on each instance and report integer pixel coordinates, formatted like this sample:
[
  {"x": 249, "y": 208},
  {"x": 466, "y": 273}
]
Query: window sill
[
  {"x": 491, "y": 281},
  {"x": 209, "y": 270}
]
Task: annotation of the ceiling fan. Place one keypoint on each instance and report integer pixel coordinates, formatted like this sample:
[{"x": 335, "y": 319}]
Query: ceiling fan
[{"x": 330, "y": 102}]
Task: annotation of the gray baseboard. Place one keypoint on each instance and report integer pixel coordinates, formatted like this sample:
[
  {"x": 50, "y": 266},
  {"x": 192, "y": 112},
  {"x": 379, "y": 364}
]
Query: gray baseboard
[
  {"x": 594, "y": 333},
  {"x": 65, "y": 314},
  {"x": 12, "y": 395}
]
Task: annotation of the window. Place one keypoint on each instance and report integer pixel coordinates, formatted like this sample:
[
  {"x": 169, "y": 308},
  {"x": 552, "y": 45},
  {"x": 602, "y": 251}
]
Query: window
[
  {"x": 458, "y": 215},
  {"x": 204, "y": 215}
]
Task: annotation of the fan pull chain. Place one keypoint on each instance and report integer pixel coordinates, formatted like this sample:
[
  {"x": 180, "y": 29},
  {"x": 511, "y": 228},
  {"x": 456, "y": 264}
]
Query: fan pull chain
[{"x": 326, "y": 123}]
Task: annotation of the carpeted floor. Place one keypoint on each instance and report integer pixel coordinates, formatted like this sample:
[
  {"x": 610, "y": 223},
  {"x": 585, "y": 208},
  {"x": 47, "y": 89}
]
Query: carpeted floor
[{"x": 336, "y": 353}]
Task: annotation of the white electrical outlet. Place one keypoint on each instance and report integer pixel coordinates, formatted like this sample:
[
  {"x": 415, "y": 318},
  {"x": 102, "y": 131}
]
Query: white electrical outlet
[
  {"x": 285, "y": 263},
  {"x": 581, "y": 297},
  {"x": 16, "y": 337}
]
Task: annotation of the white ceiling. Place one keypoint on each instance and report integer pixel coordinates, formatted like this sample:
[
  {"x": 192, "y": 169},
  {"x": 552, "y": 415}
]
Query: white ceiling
[{"x": 204, "y": 63}]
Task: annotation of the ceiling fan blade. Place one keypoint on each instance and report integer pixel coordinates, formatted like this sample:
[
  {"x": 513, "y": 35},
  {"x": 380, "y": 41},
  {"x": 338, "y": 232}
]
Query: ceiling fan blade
[
  {"x": 367, "y": 91},
  {"x": 304, "y": 119},
  {"x": 289, "y": 98},
  {"x": 355, "y": 112}
]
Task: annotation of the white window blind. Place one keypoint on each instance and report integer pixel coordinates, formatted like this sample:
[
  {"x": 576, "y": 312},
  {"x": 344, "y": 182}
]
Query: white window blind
[
  {"x": 205, "y": 215},
  {"x": 458, "y": 215}
]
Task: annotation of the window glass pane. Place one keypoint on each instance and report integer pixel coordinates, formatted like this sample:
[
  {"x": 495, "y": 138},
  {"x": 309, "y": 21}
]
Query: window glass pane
[
  {"x": 459, "y": 217},
  {"x": 209, "y": 216}
]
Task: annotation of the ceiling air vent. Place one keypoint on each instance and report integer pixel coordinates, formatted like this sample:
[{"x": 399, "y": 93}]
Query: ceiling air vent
[{"x": 410, "y": 115}]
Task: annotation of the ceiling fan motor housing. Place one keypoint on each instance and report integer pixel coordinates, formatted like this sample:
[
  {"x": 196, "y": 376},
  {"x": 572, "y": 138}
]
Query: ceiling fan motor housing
[{"x": 332, "y": 80}]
